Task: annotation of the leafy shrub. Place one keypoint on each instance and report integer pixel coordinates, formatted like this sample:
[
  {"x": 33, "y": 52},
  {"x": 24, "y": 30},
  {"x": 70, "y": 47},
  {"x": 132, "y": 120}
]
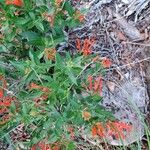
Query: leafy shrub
[{"x": 56, "y": 95}]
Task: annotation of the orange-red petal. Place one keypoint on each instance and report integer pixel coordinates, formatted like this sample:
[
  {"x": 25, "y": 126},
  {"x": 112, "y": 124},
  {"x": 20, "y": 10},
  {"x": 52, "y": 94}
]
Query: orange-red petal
[
  {"x": 106, "y": 63},
  {"x": 90, "y": 79},
  {"x": 94, "y": 131},
  {"x": 78, "y": 44},
  {"x": 86, "y": 115},
  {"x": 14, "y": 2}
]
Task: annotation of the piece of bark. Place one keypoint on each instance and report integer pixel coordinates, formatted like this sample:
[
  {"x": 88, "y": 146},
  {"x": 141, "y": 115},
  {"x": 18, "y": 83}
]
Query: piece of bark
[
  {"x": 111, "y": 86},
  {"x": 120, "y": 36},
  {"x": 131, "y": 31}
]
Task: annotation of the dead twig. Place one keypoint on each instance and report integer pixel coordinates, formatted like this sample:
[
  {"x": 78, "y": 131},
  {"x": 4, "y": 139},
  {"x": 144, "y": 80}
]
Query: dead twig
[{"x": 134, "y": 43}]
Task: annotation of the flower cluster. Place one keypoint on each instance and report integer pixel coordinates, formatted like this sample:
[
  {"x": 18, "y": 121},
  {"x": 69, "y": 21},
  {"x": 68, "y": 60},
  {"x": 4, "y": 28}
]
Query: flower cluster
[
  {"x": 44, "y": 146},
  {"x": 50, "y": 53},
  {"x": 106, "y": 63},
  {"x": 116, "y": 129},
  {"x": 58, "y": 2},
  {"x": 98, "y": 129},
  {"x": 44, "y": 96},
  {"x": 86, "y": 49},
  {"x": 5, "y": 102},
  {"x": 79, "y": 16},
  {"x": 86, "y": 115},
  {"x": 18, "y": 3},
  {"x": 94, "y": 85},
  {"x": 71, "y": 131},
  {"x": 49, "y": 18}
]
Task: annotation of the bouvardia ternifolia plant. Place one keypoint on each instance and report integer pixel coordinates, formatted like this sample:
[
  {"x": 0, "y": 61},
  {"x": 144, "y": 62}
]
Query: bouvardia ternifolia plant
[{"x": 54, "y": 95}]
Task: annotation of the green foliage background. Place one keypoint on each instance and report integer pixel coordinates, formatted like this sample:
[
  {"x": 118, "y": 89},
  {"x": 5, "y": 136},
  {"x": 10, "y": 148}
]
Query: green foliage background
[{"x": 24, "y": 38}]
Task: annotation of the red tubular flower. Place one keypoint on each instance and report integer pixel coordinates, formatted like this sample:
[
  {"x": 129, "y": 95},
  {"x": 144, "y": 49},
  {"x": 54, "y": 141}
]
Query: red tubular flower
[
  {"x": 86, "y": 115},
  {"x": 35, "y": 86},
  {"x": 98, "y": 85},
  {"x": 98, "y": 129},
  {"x": 1, "y": 93},
  {"x": 58, "y": 2},
  {"x": 79, "y": 16},
  {"x": 14, "y": 2},
  {"x": 90, "y": 79},
  {"x": 2, "y": 110},
  {"x": 6, "y": 101},
  {"x": 41, "y": 146},
  {"x": 50, "y": 53},
  {"x": 95, "y": 59},
  {"x": 106, "y": 63},
  {"x": 94, "y": 131},
  {"x": 72, "y": 133},
  {"x": 118, "y": 129},
  {"x": 51, "y": 20},
  {"x": 38, "y": 101},
  {"x": 78, "y": 44},
  {"x": 87, "y": 46},
  {"x": 94, "y": 86}
]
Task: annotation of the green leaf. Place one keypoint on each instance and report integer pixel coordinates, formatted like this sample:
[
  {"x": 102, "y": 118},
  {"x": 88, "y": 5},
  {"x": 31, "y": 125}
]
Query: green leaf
[
  {"x": 39, "y": 26},
  {"x": 31, "y": 56},
  {"x": 59, "y": 61},
  {"x": 48, "y": 123},
  {"x": 20, "y": 66},
  {"x": 46, "y": 77},
  {"x": 32, "y": 37},
  {"x": 32, "y": 15},
  {"x": 53, "y": 138},
  {"x": 69, "y": 8},
  {"x": 28, "y": 5},
  {"x": 10, "y": 36},
  {"x": 71, "y": 23},
  {"x": 96, "y": 98},
  {"x": 70, "y": 146},
  {"x": 13, "y": 108},
  {"x": 71, "y": 76},
  {"x": 29, "y": 77},
  {"x": 21, "y": 21},
  {"x": 3, "y": 49}
]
